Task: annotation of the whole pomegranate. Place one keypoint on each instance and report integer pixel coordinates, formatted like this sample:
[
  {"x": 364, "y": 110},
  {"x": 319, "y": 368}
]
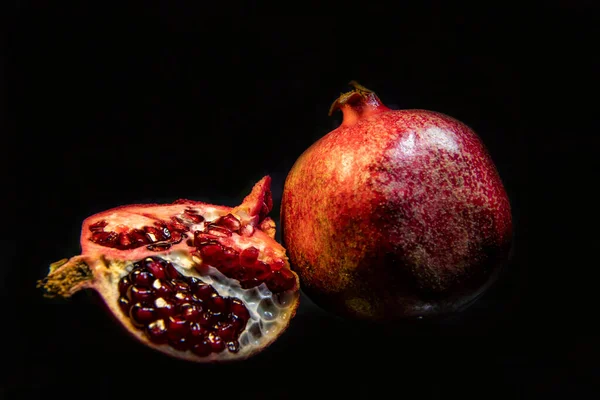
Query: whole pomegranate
[
  {"x": 395, "y": 213},
  {"x": 195, "y": 281}
]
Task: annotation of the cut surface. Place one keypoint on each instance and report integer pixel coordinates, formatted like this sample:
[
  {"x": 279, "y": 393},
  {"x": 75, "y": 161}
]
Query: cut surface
[{"x": 193, "y": 280}]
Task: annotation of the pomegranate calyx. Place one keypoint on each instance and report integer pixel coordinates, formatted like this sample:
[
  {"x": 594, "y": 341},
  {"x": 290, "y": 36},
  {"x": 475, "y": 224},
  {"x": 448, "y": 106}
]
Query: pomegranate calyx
[
  {"x": 65, "y": 278},
  {"x": 357, "y": 103}
]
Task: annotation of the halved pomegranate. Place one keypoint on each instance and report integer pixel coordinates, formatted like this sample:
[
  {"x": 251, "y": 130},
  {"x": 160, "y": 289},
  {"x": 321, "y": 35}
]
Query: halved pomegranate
[{"x": 195, "y": 281}]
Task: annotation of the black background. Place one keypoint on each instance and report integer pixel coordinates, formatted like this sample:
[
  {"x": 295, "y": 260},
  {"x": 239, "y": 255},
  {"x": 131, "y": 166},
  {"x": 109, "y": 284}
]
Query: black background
[{"x": 116, "y": 106}]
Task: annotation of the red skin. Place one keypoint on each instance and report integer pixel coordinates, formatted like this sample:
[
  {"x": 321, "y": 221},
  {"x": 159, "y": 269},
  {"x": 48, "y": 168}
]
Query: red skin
[{"x": 395, "y": 213}]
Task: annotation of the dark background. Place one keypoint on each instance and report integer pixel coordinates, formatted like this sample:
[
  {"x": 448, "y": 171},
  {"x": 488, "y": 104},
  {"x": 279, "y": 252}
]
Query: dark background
[{"x": 116, "y": 106}]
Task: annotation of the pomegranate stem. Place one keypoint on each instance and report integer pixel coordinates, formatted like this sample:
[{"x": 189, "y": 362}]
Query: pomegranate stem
[
  {"x": 65, "y": 278},
  {"x": 357, "y": 103}
]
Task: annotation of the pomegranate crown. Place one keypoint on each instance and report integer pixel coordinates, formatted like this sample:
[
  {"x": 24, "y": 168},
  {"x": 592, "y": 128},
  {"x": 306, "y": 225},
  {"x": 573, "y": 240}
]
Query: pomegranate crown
[{"x": 357, "y": 103}]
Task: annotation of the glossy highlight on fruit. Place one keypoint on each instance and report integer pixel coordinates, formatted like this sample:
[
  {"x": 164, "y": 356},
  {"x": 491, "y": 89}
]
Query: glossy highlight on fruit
[
  {"x": 196, "y": 281},
  {"x": 395, "y": 213}
]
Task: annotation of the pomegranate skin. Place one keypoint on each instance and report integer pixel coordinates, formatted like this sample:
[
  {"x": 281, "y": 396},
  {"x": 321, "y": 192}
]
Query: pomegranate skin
[{"x": 396, "y": 213}]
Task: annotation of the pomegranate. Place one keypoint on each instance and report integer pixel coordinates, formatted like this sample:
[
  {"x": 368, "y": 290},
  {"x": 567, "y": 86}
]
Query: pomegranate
[
  {"x": 395, "y": 214},
  {"x": 195, "y": 281}
]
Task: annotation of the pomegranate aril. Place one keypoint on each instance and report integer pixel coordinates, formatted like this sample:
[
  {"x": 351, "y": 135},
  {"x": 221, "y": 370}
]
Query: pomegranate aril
[
  {"x": 210, "y": 252},
  {"x": 180, "y": 286},
  {"x": 238, "y": 309},
  {"x": 154, "y": 234},
  {"x": 164, "y": 230},
  {"x": 124, "y": 305},
  {"x": 141, "y": 278},
  {"x": 238, "y": 324},
  {"x": 172, "y": 272},
  {"x": 164, "y": 308},
  {"x": 277, "y": 265},
  {"x": 124, "y": 284},
  {"x": 124, "y": 241},
  {"x": 233, "y": 346},
  {"x": 218, "y": 305},
  {"x": 178, "y": 225},
  {"x": 156, "y": 268},
  {"x": 202, "y": 349},
  {"x": 98, "y": 226},
  {"x": 205, "y": 319},
  {"x": 141, "y": 315},
  {"x": 138, "y": 238},
  {"x": 216, "y": 343},
  {"x": 182, "y": 298},
  {"x": 280, "y": 281},
  {"x": 248, "y": 256},
  {"x": 139, "y": 295},
  {"x": 230, "y": 222},
  {"x": 180, "y": 343},
  {"x": 191, "y": 312},
  {"x": 227, "y": 332},
  {"x": 177, "y": 327},
  {"x": 205, "y": 292},
  {"x": 261, "y": 270},
  {"x": 162, "y": 288},
  {"x": 218, "y": 231},
  {"x": 196, "y": 333},
  {"x": 229, "y": 258},
  {"x": 193, "y": 216},
  {"x": 105, "y": 238},
  {"x": 157, "y": 331}
]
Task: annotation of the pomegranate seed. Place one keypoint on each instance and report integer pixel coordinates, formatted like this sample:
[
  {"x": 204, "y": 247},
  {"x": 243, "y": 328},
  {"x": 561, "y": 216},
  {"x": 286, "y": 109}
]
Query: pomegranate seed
[
  {"x": 239, "y": 310},
  {"x": 229, "y": 258},
  {"x": 124, "y": 240},
  {"x": 211, "y": 252},
  {"x": 193, "y": 216},
  {"x": 194, "y": 283},
  {"x": 154, "y": 234},
  {"x": 98, "y": 226},
  {"x": 250, "y": 283},
  {"x": 196, "y": 333},
  {"x": 139, "y": 295},
  {"x": 164, "y": 231},
  {"x": 205, "y": 292},
  {"x": 227, "y": 332},
  {"x": 281, "y": 280},
  {"x": 108, "y": 239},
  {"x": 138, "y": 238},
  {"x": 218, "y": 305},
  {"x": 172, "y": 272},
  {"x": 230, "y": 222},
  {"x": 176, "y": 237},
  {"x": 124, "y": 284},
  {"x": 164, "y": 308},
  {"x": 180, "y": 344},
  {"x": 141, "y": 315},
  {"x": 177, "y": 327},
  {"x": 190, "y": 312},
  {"x": 277, "y": 265},
  {"x": 262, "y": 270},
  {"x": 238, "y": 324},
  {"x": 205, "y": 319},
  {"x": 141, "y": 278},
  {"x": 156, "y": 268},
  {"x": 233, "y": 346},
  {"x": 162, "y": 288},
  {"x": 218, "y": 231},
  {"x": 180, "y": 286},
  {"x": 202, "y": 349},
  {"x": 216, "y": 343},
  {"x": 248, "y": 256},
  {"x": 157, "y": 331},
  {"x": 178, "y": 225},
  {"x": 124, "y": 304},
  {"x": 182, "y": 297}
]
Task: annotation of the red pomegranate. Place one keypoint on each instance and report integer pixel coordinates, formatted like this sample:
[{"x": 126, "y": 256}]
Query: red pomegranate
[
  {"x": 196, "y": 281},
  {"x": 395, "y": 213}
]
